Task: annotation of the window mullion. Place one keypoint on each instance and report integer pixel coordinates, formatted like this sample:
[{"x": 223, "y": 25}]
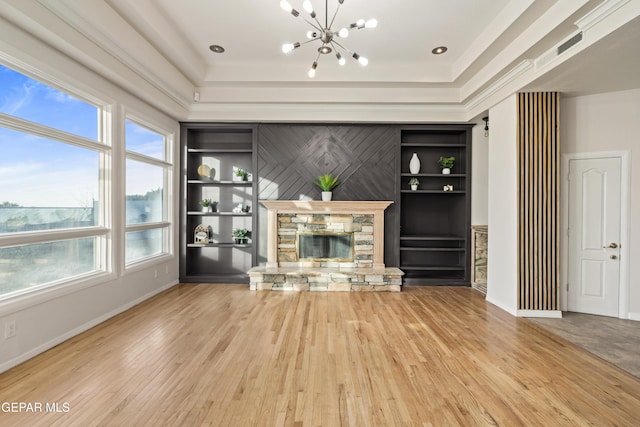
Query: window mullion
[
  {"x": 37, "y": 129},
  {"x": 41, "y": 236}
]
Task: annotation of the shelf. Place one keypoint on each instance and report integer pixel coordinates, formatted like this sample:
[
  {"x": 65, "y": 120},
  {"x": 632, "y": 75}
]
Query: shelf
[
  {"x": 218, "y": 150},
  {"x": 197, "y": 213},
  {"x": 427, "y": 144},
  {"x": 231, "y": 183},
  {"x": 434, "y": 249},
  {"x": 218, "y": 245},
  {"x": 432, "y": 268},
  {"x": 431, "y": 237},
  {"x": 434, "y": 191},
  {"x": 435, "y": 175}
]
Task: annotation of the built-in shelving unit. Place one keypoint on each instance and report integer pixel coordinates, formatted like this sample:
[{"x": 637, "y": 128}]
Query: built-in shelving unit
[
  {"x": 434, "y": 222},
  {"x": 223, "y": 149}
]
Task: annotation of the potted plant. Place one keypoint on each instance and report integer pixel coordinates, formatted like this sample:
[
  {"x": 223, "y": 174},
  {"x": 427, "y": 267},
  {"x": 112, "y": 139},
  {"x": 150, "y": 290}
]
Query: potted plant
[
  {"x": 414, "y": 182},
  {"x": 206, "y": 205},
  {"x": 446, "y": 163},
  {"x": 243, "y": 174},
  {"x": 240, "y": 236},
  {"x": 326, "y": 182}
]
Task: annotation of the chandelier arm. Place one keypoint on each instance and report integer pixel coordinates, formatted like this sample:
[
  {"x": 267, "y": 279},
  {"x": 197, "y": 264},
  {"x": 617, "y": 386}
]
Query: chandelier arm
[
  {"x": 342, "y": 47},
  {"x": 334, "y": 15},
  {"x": 319, "y": 28}
]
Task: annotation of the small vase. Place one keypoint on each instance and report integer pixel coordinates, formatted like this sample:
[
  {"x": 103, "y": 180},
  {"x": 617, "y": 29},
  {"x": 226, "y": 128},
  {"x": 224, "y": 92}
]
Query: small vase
[
  {"x": 414, "y": 187},
  {"x": 414, "y": 164},
  {"x": 326, "y": 196},
  {"x": 446, "y": 171}
]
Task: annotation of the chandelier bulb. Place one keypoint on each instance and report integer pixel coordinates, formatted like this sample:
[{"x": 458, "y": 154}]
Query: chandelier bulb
[
  {"x": 343, "y": 33},
  {"x": 288, "y": 47},
  {"x": 286, "y": 6},
  {"x": 371, "y": 23},
  {"x": 341, "y": 59},
  {"x": 363, "y": 61},
  {"x": 312, "y": 70},
  {"x": 311, "y": 34},
  {"x": 307, "y": 6}
]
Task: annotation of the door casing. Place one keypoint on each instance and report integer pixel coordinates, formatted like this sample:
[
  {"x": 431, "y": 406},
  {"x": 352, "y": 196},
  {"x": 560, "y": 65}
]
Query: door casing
[{"x": 625, "y": 196}]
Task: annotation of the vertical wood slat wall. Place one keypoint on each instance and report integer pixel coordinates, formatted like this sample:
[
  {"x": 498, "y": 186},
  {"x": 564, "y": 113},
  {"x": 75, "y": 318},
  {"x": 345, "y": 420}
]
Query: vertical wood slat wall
[{"x": 538, "y": 199}]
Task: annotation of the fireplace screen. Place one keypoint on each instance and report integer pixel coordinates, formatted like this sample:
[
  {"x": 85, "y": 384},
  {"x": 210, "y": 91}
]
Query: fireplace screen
[{"x": 325, "y": 246}]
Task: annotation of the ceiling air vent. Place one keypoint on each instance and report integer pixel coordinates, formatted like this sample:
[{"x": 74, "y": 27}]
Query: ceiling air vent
[{"x": 569, "y": 43}]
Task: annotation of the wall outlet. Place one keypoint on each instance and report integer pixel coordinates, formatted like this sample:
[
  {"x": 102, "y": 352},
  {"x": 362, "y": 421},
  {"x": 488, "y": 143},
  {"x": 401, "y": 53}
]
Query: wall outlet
[{"x": 10, "y": 329}]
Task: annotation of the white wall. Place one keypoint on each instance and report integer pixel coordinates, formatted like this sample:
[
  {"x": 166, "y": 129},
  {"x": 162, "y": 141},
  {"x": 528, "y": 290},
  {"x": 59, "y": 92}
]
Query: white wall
[
  {"x": 502, "y": 268},
  {"x": 608, "y": 122},
  {"x": 479, "y": 175},
  {"x": 49, "y": 317}
]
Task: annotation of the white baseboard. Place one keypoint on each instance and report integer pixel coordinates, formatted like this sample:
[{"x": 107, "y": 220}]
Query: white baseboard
[
  {"x": 500, "y": 306},
  {"x": 634, "y": 316},
  {"x": 553, "y": 314},
  {"x": 86, "y": 326}
]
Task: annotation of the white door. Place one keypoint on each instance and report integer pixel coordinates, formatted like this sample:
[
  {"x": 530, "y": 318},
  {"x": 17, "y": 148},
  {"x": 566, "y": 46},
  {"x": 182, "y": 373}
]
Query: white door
[{"x": 594, "y": 236}]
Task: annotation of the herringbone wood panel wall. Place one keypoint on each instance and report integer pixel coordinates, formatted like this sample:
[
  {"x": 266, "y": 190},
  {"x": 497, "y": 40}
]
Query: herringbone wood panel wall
[{"x": 291, "y": 157}]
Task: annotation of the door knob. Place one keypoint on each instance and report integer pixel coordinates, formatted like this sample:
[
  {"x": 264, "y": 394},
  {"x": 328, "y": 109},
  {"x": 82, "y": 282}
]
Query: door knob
[
  {"x": 613, "y": 257},
  {"x": 611, "y": 245}
]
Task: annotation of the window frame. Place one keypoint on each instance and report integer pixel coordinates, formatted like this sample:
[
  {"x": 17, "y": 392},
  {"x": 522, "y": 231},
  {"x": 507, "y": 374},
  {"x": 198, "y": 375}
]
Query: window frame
[
  {"x": 167, "y": 165},
  {"x": 103, "y": 230}
]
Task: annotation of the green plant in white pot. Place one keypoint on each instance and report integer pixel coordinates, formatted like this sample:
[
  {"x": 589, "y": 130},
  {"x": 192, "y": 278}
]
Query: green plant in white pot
[
  {"x": 206, "y": 205},
  {"x": 414, "y": 182},
  {"x": 446, "y": 163},
  {"x": 327, "y": 183}
]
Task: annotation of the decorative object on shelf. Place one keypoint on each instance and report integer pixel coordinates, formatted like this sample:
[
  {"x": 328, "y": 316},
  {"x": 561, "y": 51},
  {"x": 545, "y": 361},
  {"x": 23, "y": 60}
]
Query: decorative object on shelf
[
  {"x": 201, "y": 235},
  {"x": 240, "y": 236},
  {"x": 243, "y": 174},
  {"x": 206, "y": 172},
  {"x": 414, "y": 164},
  {"x": 325, "y": 34},
  {"x": 414, "y": 182},
  {"x": 240, "y": 208},
  {"x": 207, "y": 205},
  {"x": 447, "y": 188},
  {"x": 327, "y": 183},
  {"x": 446, "y": 163}
]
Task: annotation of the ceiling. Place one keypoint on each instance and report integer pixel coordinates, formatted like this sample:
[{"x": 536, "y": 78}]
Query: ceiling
[{"x": 495, "y": 47}]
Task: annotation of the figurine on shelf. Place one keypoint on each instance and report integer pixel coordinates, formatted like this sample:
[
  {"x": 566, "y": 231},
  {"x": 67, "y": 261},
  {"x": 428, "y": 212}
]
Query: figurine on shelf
[
  {"x": 447, "y": 188},
  {"x": 201, "y": 235}
]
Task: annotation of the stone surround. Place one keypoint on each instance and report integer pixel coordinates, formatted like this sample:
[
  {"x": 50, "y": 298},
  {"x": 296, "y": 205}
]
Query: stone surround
[
  {"x": 325, "y": 279},
  {"x": 365, "y": 272},
  {"x": 361, "y": 225}
]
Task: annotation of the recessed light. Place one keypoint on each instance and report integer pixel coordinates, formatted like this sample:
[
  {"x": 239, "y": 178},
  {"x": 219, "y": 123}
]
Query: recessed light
[
  {"x": 439, "y": 50},
  {"x": 216, "y": 48}
]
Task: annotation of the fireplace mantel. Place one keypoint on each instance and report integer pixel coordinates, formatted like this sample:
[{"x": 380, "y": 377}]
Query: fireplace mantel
[{"x": 275, "y": 207}]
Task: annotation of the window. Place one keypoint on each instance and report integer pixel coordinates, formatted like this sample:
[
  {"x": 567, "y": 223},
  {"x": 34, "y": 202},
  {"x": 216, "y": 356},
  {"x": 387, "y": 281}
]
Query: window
[
  {"x": 52, "y": 193},
  {"x": 147, "y": 193}
]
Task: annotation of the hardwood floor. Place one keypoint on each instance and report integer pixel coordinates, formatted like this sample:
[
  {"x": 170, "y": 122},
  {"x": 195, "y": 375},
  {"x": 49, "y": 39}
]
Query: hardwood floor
[{"x": 222, "y": 355}]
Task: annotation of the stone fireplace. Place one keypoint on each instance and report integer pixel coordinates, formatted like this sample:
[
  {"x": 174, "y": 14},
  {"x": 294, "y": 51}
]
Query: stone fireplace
[{"x": 313, "y": 245}]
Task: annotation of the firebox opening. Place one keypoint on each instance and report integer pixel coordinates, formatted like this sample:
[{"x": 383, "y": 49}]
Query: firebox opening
[{"x": 325, "y": 246}]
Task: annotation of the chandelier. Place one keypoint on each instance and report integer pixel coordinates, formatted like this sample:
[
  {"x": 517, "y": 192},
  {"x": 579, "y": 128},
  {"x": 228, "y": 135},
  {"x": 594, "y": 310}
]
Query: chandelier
[{"x": 325, "y": 34}]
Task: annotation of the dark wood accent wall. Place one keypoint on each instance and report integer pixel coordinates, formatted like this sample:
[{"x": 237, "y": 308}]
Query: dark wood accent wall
[
  {"x": 364, "y": 157},
  {"x": 539, "y": 157}
]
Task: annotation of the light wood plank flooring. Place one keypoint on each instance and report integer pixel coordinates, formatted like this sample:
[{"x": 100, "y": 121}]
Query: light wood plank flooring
[{"x": 225, "y": 356}]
